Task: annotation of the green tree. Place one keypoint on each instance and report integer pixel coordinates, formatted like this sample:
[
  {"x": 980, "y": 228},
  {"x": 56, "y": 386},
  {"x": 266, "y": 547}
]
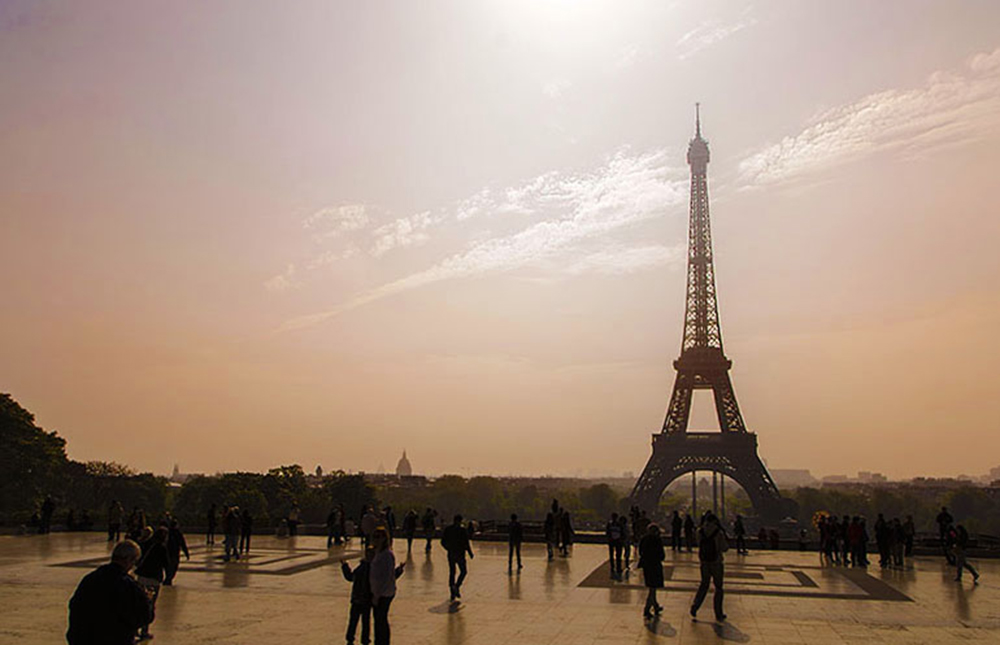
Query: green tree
[{"x": 32, "y": 461}]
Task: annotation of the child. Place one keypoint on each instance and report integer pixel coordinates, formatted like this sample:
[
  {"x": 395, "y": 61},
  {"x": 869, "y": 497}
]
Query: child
[{"x": 361, "y": 597}]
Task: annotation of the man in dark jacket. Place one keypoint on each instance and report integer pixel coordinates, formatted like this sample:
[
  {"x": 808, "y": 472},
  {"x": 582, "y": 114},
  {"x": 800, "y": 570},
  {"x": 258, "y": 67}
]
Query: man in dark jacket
[
  {"x": 712, "y": 543},
  {"x": 175, "y": 545},
  {"x": 515, "y": 536},
  {"x": 455, "y": 540},
  {"x": 109, "y": 605}
]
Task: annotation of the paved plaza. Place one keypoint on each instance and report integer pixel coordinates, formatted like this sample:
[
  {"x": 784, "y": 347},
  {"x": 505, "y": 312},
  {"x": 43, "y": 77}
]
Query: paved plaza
[{"x": 292, "y": 591}]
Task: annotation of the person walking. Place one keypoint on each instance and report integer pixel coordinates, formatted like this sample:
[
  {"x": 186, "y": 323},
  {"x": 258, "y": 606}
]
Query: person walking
[
  {"x": 909, "y": 532},
  {"x": 361, "y": 597},
  {"x": 293, "y": 520},
  {"x": 246, "y": 531},
  {"x": 427, "y": 524},
  {"x": 115, "y": 514},
  {"x": 369, "y": 522},
  {"x": 676, "y": 528},
  {"x": 409, "y": 528},
  {"x": 740, "y": 532},
  {"x": 712, "y": 543},
  {"x": 382, "y": 579},
  {"x": 48, "y": 509},
  {"x": 455, "y": 540},
  {"x": 109, "y": 606},
  {"x": 515, "y": 536},
  {"x": 152, "y": 569},
  {"x": 651, "y": 558},
  {"x": 175, "y": 545},
  {"x": 961, "y": 544},
  {"x": 210, "y": 521}
]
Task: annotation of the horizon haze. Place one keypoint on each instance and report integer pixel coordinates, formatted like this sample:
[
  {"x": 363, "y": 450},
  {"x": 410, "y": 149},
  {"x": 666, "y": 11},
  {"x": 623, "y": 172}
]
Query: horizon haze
[{"x": 241, "y": 235}]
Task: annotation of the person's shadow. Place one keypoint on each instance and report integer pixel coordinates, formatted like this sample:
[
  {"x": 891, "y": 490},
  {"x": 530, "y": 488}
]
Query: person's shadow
[
  {"x": 729, "y": 632},
  {"x": 660, "y": 627},
  {"x": 449, "y": 607}
]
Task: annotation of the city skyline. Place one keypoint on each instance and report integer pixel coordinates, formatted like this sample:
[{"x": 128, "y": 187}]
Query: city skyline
[{"x": 321, "y": 235}]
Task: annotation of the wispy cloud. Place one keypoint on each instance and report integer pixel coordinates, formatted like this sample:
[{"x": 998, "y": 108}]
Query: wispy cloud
[
  {"x": 331, "y": 222},
  {"x": 949, "y": 109},
  {"x": 283, "y": 281},
  {"x": 572, "y": 208},
  {"x": 403, "y": 232},
  {"x": 709, "y": 33}
]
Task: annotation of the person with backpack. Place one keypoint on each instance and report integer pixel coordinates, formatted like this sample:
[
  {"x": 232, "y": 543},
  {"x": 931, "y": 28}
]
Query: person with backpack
[
  {"x": 961, "y": 543},
  {"x": 651, "y": 558},
  {"x": 712, "y": 543},
  {"x": 361, "y": 597}
]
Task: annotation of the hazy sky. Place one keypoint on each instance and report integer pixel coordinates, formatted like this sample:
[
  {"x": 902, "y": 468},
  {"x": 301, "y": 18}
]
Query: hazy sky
[{"x": 240, "y": 234}]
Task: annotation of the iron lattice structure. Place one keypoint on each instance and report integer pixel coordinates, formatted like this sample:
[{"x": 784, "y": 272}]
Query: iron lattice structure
[{"x": 703, "y": 365}]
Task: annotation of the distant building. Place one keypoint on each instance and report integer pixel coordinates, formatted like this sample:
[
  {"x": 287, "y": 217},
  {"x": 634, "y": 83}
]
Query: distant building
[
  {"x": 403, "y": 468},
  {"x": 871, "y": 478},
  {"x": 178, "y": 478},
  {"x": 835, "y": 479},
  {"x": 792, "y": 477}
]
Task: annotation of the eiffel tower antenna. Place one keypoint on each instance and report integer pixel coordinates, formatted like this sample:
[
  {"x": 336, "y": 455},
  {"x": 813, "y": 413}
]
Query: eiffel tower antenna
[{"x": 703, "y": 365}]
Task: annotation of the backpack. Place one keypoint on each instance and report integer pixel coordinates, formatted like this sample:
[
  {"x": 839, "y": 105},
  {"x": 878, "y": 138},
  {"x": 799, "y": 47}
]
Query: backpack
[
  {"x": 710, "y": 548},
  {"x": 614, "y": 531}
]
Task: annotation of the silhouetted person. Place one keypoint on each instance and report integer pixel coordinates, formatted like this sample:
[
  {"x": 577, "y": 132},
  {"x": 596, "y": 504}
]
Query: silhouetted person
[
  {"x": 909, "y": 532},
  {"x": 944, "y": 521},
  {"x": 712, "y": 544},
  {"x": 740, "y": 532},
  {"x": 515, "y": 536},
  {"x": 409, "y": 528},
  {"x": 626, "y": 547},
  {"x": 382, "y": 578},
  {"x": 210, "y": 521},
  {"x": 109, "y": 606},
  {"x": 231, "y": 532},
  {"x": 613, "y": 533},
  {"x": 48, "y": 508},
  {"x": 361, "y": 597},
  {"x": 651, "y": 558},
  {"x": 676, "y": 529},
  {"x": 855, "y": 537},
  {"x": 390, "y": 520},
  {"x": 844, "y": 541},
  {"x": 332, "y": 522},
  {"x": 549, "y": 530},
  {"x": 565, "y": 532},
  {"x": 152, "y": 569},
  {"x": 427, "y": 525},
  {"x": 246, "y": 531},
  {"x": 368, "y": 523},
  {"x": 293, "y": 520},
  {"x": 897, "y": 541},
  {"x": 175, "y": 545},
  {"x": 882, "y": 541},
  {"x": 455, "y": 540},
  {"x": 115, "y": 513},
  {"x": 689, "y": 531},
  {"x": 961, "y": 542}
]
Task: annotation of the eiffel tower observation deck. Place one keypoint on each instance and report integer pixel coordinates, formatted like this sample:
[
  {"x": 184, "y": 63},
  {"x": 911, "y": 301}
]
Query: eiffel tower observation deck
[{"x": 703, "y": 365}]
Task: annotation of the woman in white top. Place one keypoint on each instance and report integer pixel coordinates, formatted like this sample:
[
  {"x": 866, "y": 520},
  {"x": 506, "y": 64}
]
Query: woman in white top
[{"x": 382, "y": 576}]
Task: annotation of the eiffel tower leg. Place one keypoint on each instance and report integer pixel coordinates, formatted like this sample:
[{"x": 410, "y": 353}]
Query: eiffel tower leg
[
  {"x": 730, "y": 419},
  {"x": 680, "y": 405}
]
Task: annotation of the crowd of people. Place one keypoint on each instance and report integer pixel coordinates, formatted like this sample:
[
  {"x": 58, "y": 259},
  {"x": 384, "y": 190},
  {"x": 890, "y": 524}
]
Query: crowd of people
[{"x": 127, "y": 599}]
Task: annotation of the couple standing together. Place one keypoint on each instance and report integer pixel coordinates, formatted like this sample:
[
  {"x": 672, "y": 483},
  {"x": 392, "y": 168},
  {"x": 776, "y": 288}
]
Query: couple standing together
[{"x": 712, "y": 543}]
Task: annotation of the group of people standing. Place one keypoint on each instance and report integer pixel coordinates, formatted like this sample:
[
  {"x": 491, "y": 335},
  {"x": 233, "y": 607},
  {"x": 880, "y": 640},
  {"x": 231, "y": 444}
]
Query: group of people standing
[
  {"x": 237, "y": 530},
  {"x": 558, "y": 530}
]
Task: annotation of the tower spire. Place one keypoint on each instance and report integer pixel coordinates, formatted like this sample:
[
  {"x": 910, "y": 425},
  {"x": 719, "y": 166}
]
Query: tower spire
[{"x": 697, "y": 120}]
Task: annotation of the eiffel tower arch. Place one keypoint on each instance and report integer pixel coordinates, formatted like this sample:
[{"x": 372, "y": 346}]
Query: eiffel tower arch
[{"x": 703, "y": 365}]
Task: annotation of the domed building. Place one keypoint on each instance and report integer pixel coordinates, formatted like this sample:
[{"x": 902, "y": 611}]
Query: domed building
[{"x": 403, "y": 468}]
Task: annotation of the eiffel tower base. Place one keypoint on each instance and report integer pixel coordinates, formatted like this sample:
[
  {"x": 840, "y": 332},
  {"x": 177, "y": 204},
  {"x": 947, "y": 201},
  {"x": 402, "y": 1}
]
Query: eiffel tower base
[{"x": 733, "y": 454}]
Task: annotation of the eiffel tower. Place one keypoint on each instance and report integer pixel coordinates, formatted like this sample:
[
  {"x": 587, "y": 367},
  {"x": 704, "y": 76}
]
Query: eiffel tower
[{"x": 703, "y": 366}]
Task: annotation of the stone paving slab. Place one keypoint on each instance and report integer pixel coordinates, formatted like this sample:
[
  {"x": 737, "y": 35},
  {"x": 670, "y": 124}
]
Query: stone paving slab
[{"x": 291, "y": 591}]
